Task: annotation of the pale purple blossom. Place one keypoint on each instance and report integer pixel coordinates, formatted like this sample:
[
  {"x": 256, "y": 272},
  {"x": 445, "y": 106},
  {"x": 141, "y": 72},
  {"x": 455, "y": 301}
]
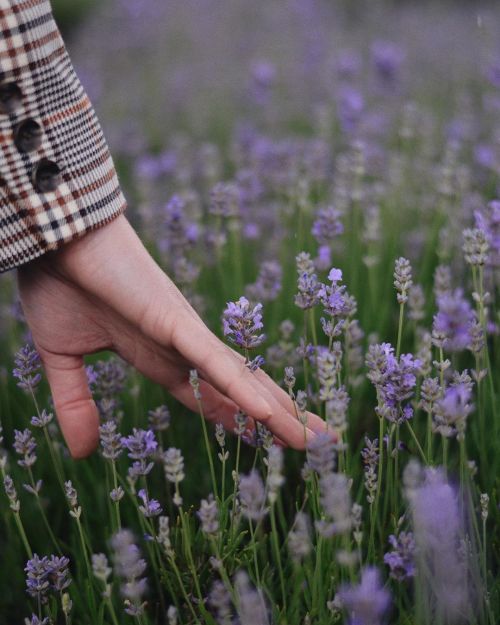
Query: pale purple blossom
[{"x": 241, "y": 323}]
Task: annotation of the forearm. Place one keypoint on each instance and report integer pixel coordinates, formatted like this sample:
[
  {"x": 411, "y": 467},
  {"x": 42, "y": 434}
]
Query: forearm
[{"x": 57, "y": 178}]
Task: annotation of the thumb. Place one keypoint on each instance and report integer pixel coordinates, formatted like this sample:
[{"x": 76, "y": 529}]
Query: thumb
[{"x": 75, "y": 409}]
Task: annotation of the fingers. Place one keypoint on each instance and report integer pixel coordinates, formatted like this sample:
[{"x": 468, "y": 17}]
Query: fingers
[
  {"x": 314, "y": 422},
  {"x": 226, "y": 371},
  {"x": 75, "y": 409}
]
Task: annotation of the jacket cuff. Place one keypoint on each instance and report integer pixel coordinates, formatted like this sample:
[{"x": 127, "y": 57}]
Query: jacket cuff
[{"x": 57, "y": 177}]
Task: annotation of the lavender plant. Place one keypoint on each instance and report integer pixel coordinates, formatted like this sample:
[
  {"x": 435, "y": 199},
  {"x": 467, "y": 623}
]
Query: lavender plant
[{"x": 288, "y": 160}]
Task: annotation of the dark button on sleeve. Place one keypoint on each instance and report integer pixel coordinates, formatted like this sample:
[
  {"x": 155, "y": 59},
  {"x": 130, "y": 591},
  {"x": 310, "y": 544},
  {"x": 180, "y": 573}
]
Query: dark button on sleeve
[
  {"x": 10, "y": 98},
  {"x": 46, "y": 176},
  {"x": 28, "y": 135}
]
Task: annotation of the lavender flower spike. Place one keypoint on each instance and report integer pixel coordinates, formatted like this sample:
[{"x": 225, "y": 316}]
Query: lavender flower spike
[
  {"x": 252, "y": 495},
  {"x": 130, "y": 567},
  {"x": 27, "y": 368},
  {"x": 241, "y": 323},
  {"x": 368, "y": 602}
]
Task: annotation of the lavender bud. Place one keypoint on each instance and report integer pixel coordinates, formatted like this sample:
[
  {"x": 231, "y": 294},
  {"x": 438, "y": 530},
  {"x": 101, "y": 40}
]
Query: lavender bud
[
  {"x": 321, "y": 454},
  {"x": 100, "y": 567},
  {"x": 194, "y": 381},
  {"x": 25, "y": 445},
  {"x": 209, "y": 516},
  {"x": 43, "y": 420},
  {"x": 402, "y": 279},
  {"x": 368, "y": 602},
  {"x": 289, "y": 379},
  {"x": 241, "y": 420},
  {"x": 11, "y": 493},
  {"x": 299, "y": 537},
  {"x": 442, "y": 280},
  {"x": 336, "y": 503},
  {"x": 370, "y": 456},
  {"x": 251, "y": 605},
  {"x": 129, "y": 566},
  {"x": 476, "y": 247},
  {"x": 442, "y": 573},
  {"x": 275, "y": 478},
  {"x": 58, "y": 573},
  {"x": 225, "y": 200},
  {"x": 159, "y": 418},
  {"x": 37, "y": 583},
  {"x": 111, "y": 441},
  {"x": 416, "y": 303},
  {"x": 220, "y": 600},
  {"x": 241, "y": 323},
  {"x": 141, "y": 444},
  {"x": 220, "y": 435},
  {"x": 27, "y": 369},
  {"x": 173, "y": 464},
  {"x": 163, "y": 536},
  {"x": 150, "y": 507},
  {"x": 252, "y": 495},
  {"x": 401, "y": 560},
  {"x": 172, "y": 615},
  {"x": 484, "y": 501}
]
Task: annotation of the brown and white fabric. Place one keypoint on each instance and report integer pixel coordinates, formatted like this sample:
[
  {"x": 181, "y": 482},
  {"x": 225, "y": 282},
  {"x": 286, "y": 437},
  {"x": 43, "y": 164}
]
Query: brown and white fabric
[{"x": 57, "y": 177}]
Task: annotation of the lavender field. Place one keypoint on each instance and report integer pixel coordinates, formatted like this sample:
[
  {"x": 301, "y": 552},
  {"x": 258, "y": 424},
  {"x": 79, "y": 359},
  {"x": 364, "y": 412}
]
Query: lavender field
[{"x": 321, "y": 179}]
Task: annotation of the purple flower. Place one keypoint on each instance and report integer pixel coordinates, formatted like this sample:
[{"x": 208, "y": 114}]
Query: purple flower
[
  {"x": 453, "y": 320},
  {"x": 442, "y": 574},
  {"x": 58, "y": 573},
  {"x": 251, "y": 604},
  {"x": 34, "y": 620},
  {"x": 107, "y": 378},
  {"x": 451, "y": 411},
  {"x": 368, "y": 602},
  {"x": 43, "y": 420},
  {"x": 44, "y": 574},
  {"x": 387, "y": 58},
  {"x": 252, "y": 495},
  {"x": 111, "y": 441},
  {"x": 488, "y": 220},
  {"x": 307, "y": 282},
  {"x": 334, "y": 297},
  {"x": 321, "y": 454},
  {"x": 225, "y": 200},
  {"x": 180, "y": 232},
  {"x": 159, "y": 418},
  {"x": 394, "y": 379},
  {"x": 268, "y": 283},
  {"x": 37, "y": 583},
  {"x": 241, "y": 323},
  {"x": 299, "y": 537},
  {"x": 327, "y": 225},
  {"x": 129, "y": 566},
  {"x": 350, "y": 107},
  {"x": 140, "y": 444},
  {"x": 27, "y": 368},
  {"x": 209, "y": 516},
  {"x": 401, "y": 560},
  {"x": 25, "y": 446},
  {"x": 151, "y": 507}
]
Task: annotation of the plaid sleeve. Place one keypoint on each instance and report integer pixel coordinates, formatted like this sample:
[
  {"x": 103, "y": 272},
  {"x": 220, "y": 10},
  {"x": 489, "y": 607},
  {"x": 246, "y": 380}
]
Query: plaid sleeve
[{"x": 57, "y": 177}]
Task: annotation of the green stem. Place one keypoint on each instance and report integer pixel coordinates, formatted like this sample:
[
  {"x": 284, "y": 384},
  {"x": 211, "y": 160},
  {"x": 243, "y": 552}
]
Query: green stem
[
  {"x": 419, "y": 447},
  {"x": 42, "y": 512},
  {"x": 278, "y": 557},
  {"x": 400, "y": 328},
  {"x": 22, "y": 533},
  {"x": 208, "y": 448}
]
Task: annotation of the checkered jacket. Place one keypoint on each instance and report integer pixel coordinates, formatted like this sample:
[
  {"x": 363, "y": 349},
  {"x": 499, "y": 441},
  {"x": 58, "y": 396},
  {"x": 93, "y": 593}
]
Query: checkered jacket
[{"x": 57, "y": 178}]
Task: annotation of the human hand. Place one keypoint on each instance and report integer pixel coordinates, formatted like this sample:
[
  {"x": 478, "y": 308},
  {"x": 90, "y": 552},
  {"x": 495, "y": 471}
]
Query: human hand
[{"x": 105, "y": 292}]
